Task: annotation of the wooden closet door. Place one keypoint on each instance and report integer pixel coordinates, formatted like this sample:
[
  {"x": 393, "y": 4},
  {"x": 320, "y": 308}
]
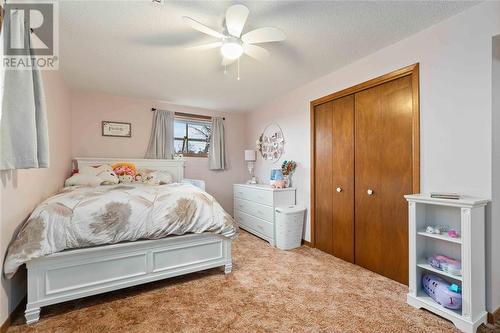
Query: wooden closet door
[
  {"x": 343, "y": 178},
  {"x": 323, "y": 182},
  {"x": 334, "y": 177},
  {"x": 383, "y": 157}
]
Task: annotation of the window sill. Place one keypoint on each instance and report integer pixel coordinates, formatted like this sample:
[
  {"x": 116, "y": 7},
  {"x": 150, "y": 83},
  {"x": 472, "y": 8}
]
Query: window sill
[{"x": 196, "y": 155}]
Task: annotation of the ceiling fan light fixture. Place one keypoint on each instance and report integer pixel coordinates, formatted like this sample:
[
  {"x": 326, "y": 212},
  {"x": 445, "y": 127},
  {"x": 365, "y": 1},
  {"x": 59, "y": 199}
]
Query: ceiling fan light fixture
[{"x": 232, "y": 49}]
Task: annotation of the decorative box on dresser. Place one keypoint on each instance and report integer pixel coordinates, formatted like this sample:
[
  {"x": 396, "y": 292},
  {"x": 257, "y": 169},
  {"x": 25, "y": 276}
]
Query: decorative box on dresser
[
  {"x": 254, "y": 206},
  {"x": 467, "y": 216}
]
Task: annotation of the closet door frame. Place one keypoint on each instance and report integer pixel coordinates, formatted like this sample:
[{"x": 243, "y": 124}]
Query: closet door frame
[{"x": 413, "y": 71}]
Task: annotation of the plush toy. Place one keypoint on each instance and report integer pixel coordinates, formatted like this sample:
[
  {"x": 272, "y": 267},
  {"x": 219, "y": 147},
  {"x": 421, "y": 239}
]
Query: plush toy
[
  {"x": 160, "y": 177},
  {"x": 104, "y": 178},
  {"x": 153, "y": 177},
  {"x": 93, "y": 176},
  {"x": 446, "y": 264},
  {"x": 90, "y": 170},
  {"x": 108, "y": 178},
  {"x": 442, "y": 292},
  {"x": 126, "y": 178},
  {"x": 124, "y": 168},
  {"x": 278, "y": 184}
]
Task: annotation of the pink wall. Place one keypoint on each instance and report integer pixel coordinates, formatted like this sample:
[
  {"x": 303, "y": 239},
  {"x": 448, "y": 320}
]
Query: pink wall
[
  {"x": 22, "y": 190},
  {"x": 455, "y": 105},
  {"x": 89, "y": 109}
]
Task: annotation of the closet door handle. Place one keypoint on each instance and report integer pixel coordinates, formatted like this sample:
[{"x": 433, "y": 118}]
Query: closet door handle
[
  {"x": 339, "y": 189},
  {"x": 369, "y": 192}
]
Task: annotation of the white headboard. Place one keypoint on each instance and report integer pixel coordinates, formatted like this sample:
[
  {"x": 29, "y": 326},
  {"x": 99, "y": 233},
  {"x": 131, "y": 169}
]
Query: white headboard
[{"x": 175, "y": 167}]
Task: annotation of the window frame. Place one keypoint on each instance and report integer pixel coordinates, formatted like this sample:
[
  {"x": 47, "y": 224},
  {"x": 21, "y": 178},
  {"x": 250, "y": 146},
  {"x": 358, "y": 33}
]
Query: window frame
[{"x": 191, "y": 119}]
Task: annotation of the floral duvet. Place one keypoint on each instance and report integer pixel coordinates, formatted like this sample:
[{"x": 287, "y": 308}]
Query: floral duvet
[{"x": 88, "y": 216}]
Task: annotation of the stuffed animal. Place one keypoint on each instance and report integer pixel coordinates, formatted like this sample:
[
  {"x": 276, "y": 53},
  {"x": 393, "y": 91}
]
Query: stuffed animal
[
  {"x": 444, "y": 293},
  {"x": 93, "y": 176},
  {"x": 124, "y": 168},
  {"x": 90, "y": 170},
  {"x": 278, "y": 184},
  {"x": 104, "y": 178},
  {"x": 108, "y": 178},
  {"x": 126, "y": 178},
  {"x": 160, "y": 177},
  {"x": 153, "y": 177}
]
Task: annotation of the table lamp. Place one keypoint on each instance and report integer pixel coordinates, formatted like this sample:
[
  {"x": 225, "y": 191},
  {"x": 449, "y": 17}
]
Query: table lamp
[{"x": 250, "y": 157}]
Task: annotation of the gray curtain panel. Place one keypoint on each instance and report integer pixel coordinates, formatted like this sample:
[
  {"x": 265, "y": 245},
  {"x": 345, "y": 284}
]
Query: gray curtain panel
[
  {"x": 24, "y": 135},
  {"x": 161, "y": 142},
  {"x": 217, "y": 149}
]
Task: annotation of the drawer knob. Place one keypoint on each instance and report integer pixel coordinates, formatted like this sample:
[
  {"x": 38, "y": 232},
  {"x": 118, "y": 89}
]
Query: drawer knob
[
  {"x": 339, "y": 189},
  {"x": 369, "y": 192}
]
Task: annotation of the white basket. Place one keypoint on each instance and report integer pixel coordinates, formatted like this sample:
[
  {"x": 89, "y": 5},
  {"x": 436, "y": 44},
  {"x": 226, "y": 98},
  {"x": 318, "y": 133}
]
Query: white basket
[{"x": 289, "y": 224}]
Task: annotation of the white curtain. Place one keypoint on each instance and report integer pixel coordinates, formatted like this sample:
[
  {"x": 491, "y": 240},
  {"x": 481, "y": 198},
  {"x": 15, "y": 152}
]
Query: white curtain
[
  {"x": 161, "y": 142},
  {"x": 217, "y": 149},
  {"x": 24, "y": 136}
]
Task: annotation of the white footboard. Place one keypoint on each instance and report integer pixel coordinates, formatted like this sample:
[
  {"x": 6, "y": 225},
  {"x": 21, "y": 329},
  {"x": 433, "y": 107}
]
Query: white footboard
[{"x": 79, "y": 273}]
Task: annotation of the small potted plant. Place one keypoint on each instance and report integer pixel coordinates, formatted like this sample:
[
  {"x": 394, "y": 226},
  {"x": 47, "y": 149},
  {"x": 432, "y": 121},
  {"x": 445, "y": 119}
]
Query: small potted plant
[{"x": 287, "y": 168}]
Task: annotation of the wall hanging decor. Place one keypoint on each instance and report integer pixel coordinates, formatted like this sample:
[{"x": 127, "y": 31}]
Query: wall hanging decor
[
  {"x": 271, "y": 143},
  {"x": 114, "y": 128}
]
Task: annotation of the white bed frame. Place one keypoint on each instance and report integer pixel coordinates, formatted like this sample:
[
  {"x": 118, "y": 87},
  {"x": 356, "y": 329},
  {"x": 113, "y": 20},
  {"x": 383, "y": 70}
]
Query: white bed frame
[{"x": 73, "y": 274}]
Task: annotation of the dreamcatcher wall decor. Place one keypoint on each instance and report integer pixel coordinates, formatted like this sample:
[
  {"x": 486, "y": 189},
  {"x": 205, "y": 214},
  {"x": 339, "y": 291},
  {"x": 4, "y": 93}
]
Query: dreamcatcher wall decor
[{"x": 271, "y": 143}]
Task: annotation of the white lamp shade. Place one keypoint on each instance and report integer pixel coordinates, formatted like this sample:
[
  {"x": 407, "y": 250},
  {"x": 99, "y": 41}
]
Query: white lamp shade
[{"x": 250, "y": 155}]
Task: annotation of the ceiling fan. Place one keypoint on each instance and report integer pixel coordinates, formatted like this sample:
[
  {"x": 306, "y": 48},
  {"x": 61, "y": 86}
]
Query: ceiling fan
[{"x": 231, "y": 43}]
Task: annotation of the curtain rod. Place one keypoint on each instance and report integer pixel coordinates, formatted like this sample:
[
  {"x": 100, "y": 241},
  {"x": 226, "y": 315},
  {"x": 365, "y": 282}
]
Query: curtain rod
[{"x": 190, "y": 115}]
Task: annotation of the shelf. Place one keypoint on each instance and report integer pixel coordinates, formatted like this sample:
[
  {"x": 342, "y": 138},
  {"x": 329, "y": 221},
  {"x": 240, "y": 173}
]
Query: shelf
[
  {"x": 428, "y": 267},
  {"x": 441, "y": 237},
  {"x": 427, "y": 300}
]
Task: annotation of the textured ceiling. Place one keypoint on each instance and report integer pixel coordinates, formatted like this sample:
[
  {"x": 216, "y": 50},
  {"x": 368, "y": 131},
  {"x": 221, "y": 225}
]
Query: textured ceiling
[{"x": 137, "y": 48}]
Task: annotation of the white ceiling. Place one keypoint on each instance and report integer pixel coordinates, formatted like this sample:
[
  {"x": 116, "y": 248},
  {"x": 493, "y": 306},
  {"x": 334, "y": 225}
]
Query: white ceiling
[{"x": 138, "y": 48}]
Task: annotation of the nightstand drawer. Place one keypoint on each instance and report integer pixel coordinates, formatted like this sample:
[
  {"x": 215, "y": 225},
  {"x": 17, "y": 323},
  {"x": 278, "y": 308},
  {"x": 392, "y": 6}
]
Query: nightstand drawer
[
  {"x": 260, "y": 196},
  {"x": 260, "y": 226},
  {"x": 255, "y": 209}
]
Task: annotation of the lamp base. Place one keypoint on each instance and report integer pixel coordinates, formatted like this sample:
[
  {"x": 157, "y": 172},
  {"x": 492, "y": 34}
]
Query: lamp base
[{"x": 252, "y": 181}]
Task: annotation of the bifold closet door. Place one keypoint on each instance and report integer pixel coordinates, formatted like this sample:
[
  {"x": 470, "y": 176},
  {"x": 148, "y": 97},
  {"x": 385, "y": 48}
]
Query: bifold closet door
[
  {"x": 334, "y": 177},
  {"x": 323, "y": 182},
  {"x": 383, "y": 157}
]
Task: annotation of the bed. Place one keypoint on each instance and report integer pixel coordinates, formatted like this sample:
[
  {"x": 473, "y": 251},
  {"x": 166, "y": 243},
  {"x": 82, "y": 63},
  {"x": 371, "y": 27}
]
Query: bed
[{"x": 76, "y": 272}]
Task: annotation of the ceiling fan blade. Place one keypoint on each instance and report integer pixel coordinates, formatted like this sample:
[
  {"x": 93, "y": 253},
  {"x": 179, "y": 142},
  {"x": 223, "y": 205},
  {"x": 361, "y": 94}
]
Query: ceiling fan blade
[
  {"x": 205, "y": 46},
  {"x": 227, "y": 61},
  {"x": 263, "y": 35},
  {"x": 202, "y": 28},
  {"x": 236, "y": 16},
  {"x": 256, "y": 52}
]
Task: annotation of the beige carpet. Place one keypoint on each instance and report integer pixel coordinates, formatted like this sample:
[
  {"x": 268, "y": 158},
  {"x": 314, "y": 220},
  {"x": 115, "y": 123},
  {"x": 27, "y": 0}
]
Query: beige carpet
[{"x": 303, "y": 290}]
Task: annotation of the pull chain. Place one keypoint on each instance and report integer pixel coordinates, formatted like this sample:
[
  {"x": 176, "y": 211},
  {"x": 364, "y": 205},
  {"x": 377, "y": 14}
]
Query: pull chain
[{"x": 238, "y": 78}]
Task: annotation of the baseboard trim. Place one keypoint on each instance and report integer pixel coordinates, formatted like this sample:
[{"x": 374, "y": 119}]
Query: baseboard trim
[
  {"x": 306, "y": 243},
  {"x": 19, "y": 308},
  {"x": 494, "y": 316}
]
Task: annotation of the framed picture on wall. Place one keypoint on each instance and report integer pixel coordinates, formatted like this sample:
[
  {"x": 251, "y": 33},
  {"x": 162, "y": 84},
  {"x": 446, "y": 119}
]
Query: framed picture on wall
[{"x": 114, "y": 128}]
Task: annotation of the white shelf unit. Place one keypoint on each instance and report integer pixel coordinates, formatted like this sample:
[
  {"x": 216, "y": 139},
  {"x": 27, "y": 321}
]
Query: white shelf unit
[{"x": 465, "y": 215}]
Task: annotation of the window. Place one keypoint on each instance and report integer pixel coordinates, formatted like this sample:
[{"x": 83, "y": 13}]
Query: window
[{"x": 192, "y": 136}]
